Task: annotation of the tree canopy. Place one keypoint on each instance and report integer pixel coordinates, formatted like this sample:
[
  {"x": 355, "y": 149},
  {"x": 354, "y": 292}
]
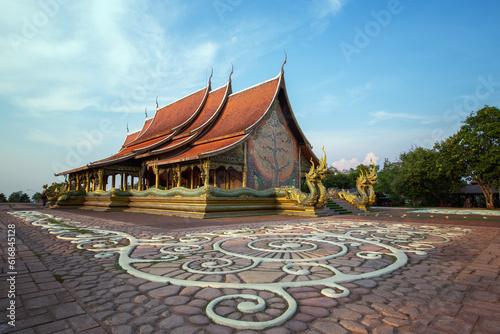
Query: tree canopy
[
  {"x": 475, "y": 149},
  {"x": 19, "y": 197}
]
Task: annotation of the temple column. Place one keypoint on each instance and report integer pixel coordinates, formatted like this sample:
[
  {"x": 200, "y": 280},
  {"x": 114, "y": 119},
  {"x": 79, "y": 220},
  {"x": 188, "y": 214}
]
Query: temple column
[
  {"x": 100, "y": 176},
  {"x": 178, "y": 172},
  {"x": 192, "y": 178},
  {"x": 206, "y": 172},
  {"x": 300, "y": 172},
  {"x": 215, "y": 177},
  {"x": 139, "y": 183},
  {"x": 122, "y": 186},
  {"x": 156, "y": 170},
  {"x": 245, "y": 165},
  {"x": 113, "y": 180},
  {"x": 87, "y": 183}
]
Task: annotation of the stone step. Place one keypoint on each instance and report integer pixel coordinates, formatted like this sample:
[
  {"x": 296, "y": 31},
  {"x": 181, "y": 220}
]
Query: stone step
[{"x": 345, "y": 205}]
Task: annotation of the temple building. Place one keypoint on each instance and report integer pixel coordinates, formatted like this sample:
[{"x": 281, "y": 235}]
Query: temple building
[{"x": 212, "y": 137}]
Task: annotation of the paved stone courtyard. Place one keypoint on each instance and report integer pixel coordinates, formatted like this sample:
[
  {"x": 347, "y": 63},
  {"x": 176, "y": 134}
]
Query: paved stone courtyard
[{"x": 80, "y": 273}]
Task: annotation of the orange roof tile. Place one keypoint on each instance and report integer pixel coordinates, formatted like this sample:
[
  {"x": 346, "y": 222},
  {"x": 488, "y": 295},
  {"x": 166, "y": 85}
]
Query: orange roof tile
[
  {"x": 168, "y": 118},
  {"x": 202, "y": 150},
  {"x": 212, "y": 105},
  {"x": 242, "y": 110}
]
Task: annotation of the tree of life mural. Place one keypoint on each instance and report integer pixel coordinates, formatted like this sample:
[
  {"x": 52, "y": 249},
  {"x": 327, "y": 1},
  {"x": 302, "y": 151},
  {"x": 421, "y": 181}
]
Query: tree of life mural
[{"x": 275, "y": 149}]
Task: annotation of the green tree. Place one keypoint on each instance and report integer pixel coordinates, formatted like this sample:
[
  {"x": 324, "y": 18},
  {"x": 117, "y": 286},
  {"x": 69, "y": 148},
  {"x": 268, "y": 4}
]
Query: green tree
[
  {"x": 24, "y": 198},
  {"x": 3, "y": 199},
  {"x": 345, "y": 179},
  {"x": 387, "y": 179},
  {"x": 15, "y": 196},
  {"x": 337, "y": 179},
  {"x": 475, "y": 149},
  {"x": 425, "y": 177},
  {"x": 36, "y": 197},
  {"x": 19, "y": 197}
]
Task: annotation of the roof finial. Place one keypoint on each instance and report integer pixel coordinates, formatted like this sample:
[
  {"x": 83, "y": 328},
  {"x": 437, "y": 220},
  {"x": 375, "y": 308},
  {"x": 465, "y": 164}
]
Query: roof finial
[
  {"x": 230, "y": 74},
  {"x": 282, "y": 70},
  {"x": 156, "y": 102},
  {"x": 211, "y": 74},
  {"x": 127, "y": 128},
  {"x": 146, "y": 111}
]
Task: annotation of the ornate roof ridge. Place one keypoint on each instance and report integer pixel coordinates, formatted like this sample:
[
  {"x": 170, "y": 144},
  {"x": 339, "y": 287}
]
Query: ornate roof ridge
[{"x": 256, "y": 85}]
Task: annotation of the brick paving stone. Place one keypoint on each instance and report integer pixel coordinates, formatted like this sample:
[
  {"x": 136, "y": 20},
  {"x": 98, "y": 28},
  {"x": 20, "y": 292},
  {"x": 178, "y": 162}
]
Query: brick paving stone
[
  {"x": 119, "y": 319},
  {"x": 319, "y": 302},
  {"x": 44, "y": 301},
  {"x": 171, "y": 322},
  {"x": 186, "y": 330},
  {"x": 123, "y": 329},
  {"x": 452, "y": 324},
  {"x": 488, "y": 326},
  {"x": 208, "y": 294},
  {"x": 82, "y": 322},
  {"x": 388, "y": 311},
  {"x": 345, "y": 314},
  {"x": 53, "y": 327},
  {"x": 187, "y": 310},
  {"x": 199, "y": 320},
  {"x": 366, "y": 283},
  {"x": 353, "y": 326},
  {"x": 147, "y": 329},
  {"x": 151, "y": 286},
  {"x": 66, "y": 310},
  {"x": 384, "y": 330},
  {"x": 396, "y": 322},
  {"x": 315, "y": 311},
  {"x": 296, "y": 326},
  {"x": 328, "y": 327},
  {"x": 218, "y": 329},
  {"x": 165, "y": 291},
  {"x": 176, "y": 300},
  {"x": 277, "y": 330}
]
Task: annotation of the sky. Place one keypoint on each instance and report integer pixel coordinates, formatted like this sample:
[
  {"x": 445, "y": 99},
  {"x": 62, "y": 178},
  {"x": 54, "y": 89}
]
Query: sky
[{"x": 366, "y": 79}]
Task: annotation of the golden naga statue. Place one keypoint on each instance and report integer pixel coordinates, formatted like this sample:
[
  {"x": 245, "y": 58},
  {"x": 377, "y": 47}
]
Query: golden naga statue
[
  {"x": 318, "y": 195},
  {"x": 366, "y": 195}
]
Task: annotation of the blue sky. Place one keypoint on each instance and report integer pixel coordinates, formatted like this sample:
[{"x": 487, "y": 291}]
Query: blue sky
[{"x": 365, "y": 78}]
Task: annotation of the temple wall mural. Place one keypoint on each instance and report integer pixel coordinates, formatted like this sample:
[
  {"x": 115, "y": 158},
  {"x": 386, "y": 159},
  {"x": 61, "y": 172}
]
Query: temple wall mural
[{"x": 272, "y": 153}]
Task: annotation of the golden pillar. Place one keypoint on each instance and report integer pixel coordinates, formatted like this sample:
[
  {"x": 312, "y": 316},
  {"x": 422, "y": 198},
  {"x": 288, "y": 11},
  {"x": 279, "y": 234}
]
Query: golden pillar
[
  {"x": 87, "y": 183},
  {"x": 192, "y": 178},
  {"x": 100, "y": 175},
  {"x": 245, "y": 164},
  {"x": 206, "y": 172},
  {"x": 156, "y": 170},
  {"x": 300, "y": 172},
  {"x": 113, "y": 181},
  {"x": 178, "y": 173},
  {"x": 139, "y": 183}
]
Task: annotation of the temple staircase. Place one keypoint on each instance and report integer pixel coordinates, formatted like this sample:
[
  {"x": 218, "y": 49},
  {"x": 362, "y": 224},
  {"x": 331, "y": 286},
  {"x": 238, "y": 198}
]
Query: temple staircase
[{"x": 342, "y": 207}]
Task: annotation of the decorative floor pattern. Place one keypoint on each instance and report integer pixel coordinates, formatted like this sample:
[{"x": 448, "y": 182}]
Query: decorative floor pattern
[
  {"x": 459, "y": 212},
  {"x": 267, "y": 259}
]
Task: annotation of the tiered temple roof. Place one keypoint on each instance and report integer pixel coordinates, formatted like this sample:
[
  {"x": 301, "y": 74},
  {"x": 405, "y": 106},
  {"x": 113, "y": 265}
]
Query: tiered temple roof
[{"x": 203, "y": 124}]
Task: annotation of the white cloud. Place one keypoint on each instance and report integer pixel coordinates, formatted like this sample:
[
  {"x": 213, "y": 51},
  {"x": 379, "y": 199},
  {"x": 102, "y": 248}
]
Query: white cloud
[
  {"x": 382, "y": 115},
  {"x": 369, "y": 158},
  {"x": 327, "y": 104},
  {"x": 329, "y": 7},
  {"x": 344, "y": 164}
]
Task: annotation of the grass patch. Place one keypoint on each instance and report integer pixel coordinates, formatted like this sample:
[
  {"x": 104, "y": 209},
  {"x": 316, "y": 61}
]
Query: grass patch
[{"x": 117, "y": 266}]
